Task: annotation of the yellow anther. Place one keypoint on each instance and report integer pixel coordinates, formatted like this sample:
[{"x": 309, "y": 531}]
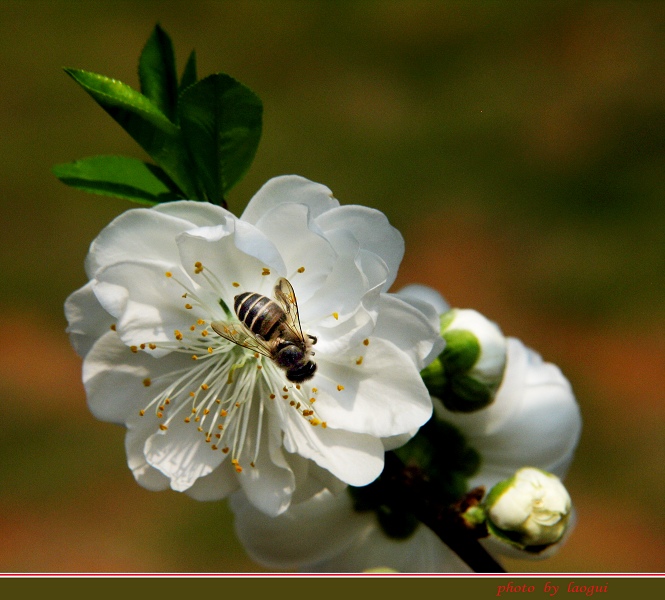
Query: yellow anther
[
  {"x": 142, "y": 346},
  {"x": 252, "y": 464},
  {"x": 214, "y": 446},
  {"x": 359, "y": 361},
  {"x": 152, "y": 346},
  {"x": 225, "y": 450},
  {"x": 286, "y": 397},
  {"x": 141, "y": 412},
  {"x": 238, "y": 469},
  {"x": 187, "y": 419},
  {"x": 204, "y": 386},
  {"x": 256, "y": 354},
  {"x": 134, "y": 349},
  {"x": 192, "y": 327},
  {"x": 209, "y": 350},
  {"x": 301, "y": 270},
  {"x": 192, "y": 394},
  {"x": 259, "y": 367},
  {"x": 147, "y": 382},
  {"x": 315, "y": 422},
  {"x": 285, "y": 389},
  {"x": 200, "y": 322},
  {"x": 324, "y": 424},
  {"x": 163, "y": 427},
  {"x": 198, "y": 267},
  {"x": 265, "y": 271},
  {"x": 340, "y": 388},
  {"x": 315, "y": 390},
  {"x": 312, "y": 400},
  {"x": 272, "y": 396},
  {"x": 220, "y": 427},
  {"x": 235, "y": 284},
  {"x": 204, "y": 333},
  {"x": 206, "y": 411},
  {"x": 194, "y": 357},
  {"x": 188, "y": 306},
  {"x": 160, "y": 415},
  {"x": 336, "y": 315},
  {"x": 167, "y": 401},
  {"x": 237, "y": 405},
  {"x": 177, "y": 334},
  {"x": 168, "y": 274},
  {"x": 292, "y": 403},
  {"x": 113, "y": 327}
]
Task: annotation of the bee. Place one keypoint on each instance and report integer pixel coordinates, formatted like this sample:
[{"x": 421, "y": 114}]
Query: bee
[{"x": 272, "y": 328}]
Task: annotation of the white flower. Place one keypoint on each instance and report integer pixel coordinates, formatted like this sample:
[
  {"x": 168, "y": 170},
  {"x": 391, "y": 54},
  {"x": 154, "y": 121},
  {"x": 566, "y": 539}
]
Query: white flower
[
  {"x": 534, "y": 420},
  {"x": 531, "y": 508},
  {"x": 208, "y": 416}
]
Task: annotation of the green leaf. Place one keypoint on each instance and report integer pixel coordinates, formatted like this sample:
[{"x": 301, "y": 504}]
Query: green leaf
[
  {"x": 157, "y": 73},
  {"x": 118, "y": 176},
  {"x": 189, "y": 74},
  {"x": 146, "y": 123},
  {"x": 221, "y": 123}
]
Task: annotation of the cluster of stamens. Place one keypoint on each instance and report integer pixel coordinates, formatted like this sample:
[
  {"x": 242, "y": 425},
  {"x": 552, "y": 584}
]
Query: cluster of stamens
[{"x": 230, "y": 389}]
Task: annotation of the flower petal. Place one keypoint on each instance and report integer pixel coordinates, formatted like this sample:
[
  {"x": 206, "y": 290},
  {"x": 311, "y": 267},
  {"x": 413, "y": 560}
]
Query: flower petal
[
  {"x": 383, "y": 396},
  {"x": 145, "y": 233},
  {"x": 289, "y": 189},
  {"x": 114, "y": 378},
  {"x": 219, "y": 484},
  {"x": 307, "y": 533},
  {"x": 422, "y": 552},
  {"x": 409, "y": 329},
  {"x": 147, "y": 304},
  {"x": 373, "y": 232},
  {"x": 355, "y": 458},
  {"x": 237, "y": 256},
  {"x": 269, "y": 484},
  {"x": 427, "y": 300},
  {"x": 87, "y": 320},
  {"x": 308, "y": 256},
  {"x": 182, "y": 454}
]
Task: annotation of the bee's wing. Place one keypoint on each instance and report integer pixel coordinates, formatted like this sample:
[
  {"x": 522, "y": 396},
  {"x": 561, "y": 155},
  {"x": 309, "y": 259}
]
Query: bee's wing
[
  {"x": 286, "y": 298},
  {"x": 236, "y": 333}
]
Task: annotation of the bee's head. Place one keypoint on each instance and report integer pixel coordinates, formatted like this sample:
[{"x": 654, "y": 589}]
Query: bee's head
[{"x": 302, "y": 373}]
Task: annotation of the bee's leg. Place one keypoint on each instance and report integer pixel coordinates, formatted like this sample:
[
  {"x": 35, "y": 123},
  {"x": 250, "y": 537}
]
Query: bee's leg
[{"x": 313, "y": 338}]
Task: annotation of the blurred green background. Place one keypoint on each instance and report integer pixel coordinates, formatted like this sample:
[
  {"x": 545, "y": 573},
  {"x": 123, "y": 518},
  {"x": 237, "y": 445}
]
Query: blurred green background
[{"x": 519, "y": 147}]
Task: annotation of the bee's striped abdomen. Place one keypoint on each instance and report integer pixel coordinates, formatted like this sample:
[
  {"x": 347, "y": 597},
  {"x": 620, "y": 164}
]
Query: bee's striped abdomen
[{"x": 258, "y": 313}]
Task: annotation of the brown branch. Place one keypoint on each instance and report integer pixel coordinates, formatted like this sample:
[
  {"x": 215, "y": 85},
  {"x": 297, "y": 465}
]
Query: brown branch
[{"x": 444, "y": 520}]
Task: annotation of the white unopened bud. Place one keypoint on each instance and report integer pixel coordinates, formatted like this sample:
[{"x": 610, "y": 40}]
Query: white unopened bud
[
  {"x": 467, "y": 374},
  {"x": 530, "y": 510}
]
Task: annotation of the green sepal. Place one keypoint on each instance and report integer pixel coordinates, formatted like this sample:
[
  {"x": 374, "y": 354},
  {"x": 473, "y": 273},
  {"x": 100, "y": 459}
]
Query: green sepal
[
  {"x": 461, "y": 352},
  {"x": 146, "y": 123},
  {"x": 120, "y": 177},
  {"x": 221, "y": 123},
  {"x": 157, "y": 72}
]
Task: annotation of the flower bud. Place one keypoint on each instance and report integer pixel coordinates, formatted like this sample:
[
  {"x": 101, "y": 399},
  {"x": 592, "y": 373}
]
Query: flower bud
[
  {"x": 530, "y": 510},
  {"x": 467, "y": 374}
]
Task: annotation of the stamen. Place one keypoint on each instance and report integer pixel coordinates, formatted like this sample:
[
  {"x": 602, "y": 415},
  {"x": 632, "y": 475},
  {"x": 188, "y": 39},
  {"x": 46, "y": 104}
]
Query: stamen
[
  {"x": 265, "y": 271},
  {"x": 301, "y": 270}
]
